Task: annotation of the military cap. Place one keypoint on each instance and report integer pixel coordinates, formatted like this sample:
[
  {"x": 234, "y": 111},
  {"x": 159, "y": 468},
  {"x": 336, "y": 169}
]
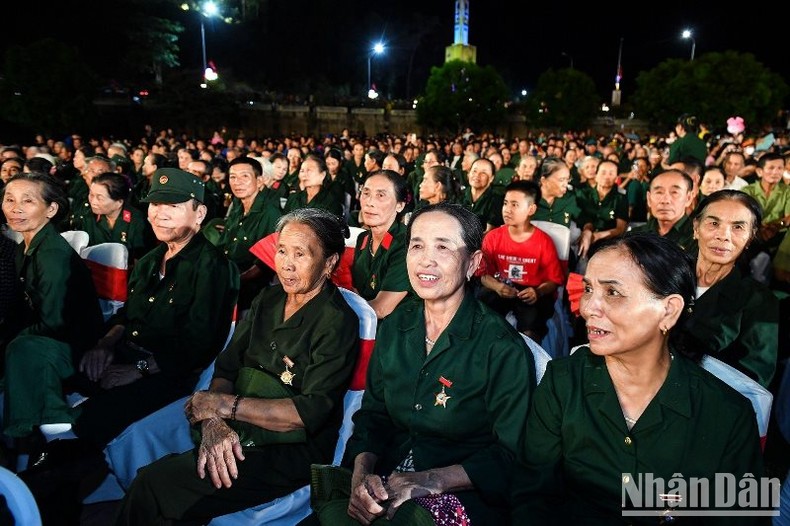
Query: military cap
[{"x": 171, "y": 185}]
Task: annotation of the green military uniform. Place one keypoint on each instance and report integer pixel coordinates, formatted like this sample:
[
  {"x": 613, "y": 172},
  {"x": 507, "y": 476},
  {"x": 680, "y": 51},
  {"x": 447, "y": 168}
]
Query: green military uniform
[
  {"x": 241, "y": 232},
  {"x": 321, "y": 339},
  {"x": 139, "y": 192},
  {"x": 55, "y": 318},
  {"x": 78, "y": 190},
  {"x": 579, "y": 450},
  {"x": 503, "y": 177},
  {"x": 602, "y": 213},
  {"x": 737, "y": 321},
  {"x": 80, "y": 212},
  {"x": 182, "y": 320},
  {"x": 128, "y": 230},
  {"x": 384, "y": 270},
  {"x": 681, "y": 233},
  {"x": 563, "y": 210},
  {"x": 774, "y": 206},
  {"x": 636, "y": 196},
  {"x": 488, "y": 374},
  {"x": 324, "y": 199},
  {"x": 488, "y": 207},
  {"x": 214, "y": 200},
  {"x": 291, "y": 180},
  {"x": 688, "y": 146}
]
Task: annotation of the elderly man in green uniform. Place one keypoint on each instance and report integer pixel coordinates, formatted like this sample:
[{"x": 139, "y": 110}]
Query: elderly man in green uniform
[
  {"x": 669, "y": 195},
  {"x": 480, "y": 197},
  {"x": 250, "y": 219},
  {"x": 181, "y": 299}
]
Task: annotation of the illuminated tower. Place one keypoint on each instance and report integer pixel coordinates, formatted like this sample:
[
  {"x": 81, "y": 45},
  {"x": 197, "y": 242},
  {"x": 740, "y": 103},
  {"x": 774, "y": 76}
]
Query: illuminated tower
[{"x": 460, "y": 48}]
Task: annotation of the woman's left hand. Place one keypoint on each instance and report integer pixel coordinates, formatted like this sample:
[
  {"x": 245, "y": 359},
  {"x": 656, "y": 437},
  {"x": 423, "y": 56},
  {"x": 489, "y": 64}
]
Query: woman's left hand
[
  {"x": 219, "y": 449},
  {"x": 203, "y": 405},
  {"x": 118, "y": 375},
  {"x": 404, "y": 486}
]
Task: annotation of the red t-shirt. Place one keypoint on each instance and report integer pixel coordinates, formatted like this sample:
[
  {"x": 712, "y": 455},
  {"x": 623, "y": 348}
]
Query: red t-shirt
[{"x": 529, "y": 263}]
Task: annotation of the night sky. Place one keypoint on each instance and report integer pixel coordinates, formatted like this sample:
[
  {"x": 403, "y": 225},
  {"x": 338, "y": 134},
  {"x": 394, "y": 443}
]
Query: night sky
[{"x": 300, "y": 46}]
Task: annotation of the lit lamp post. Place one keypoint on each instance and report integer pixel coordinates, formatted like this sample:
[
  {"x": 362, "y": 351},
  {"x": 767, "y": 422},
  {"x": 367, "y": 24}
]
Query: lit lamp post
[
  {"x": 209, "y": 9},
  {"x": 687, "y": 34},
  {"x": 378, "y": 49}
]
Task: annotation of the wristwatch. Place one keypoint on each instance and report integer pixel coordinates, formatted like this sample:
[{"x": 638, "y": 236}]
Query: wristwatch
[{"x": 142, "y": 366}]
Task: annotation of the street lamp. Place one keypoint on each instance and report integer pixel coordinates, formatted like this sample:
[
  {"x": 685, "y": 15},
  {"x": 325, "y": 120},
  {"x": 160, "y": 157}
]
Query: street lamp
[
  {"x": 209, "y": 9},
  {"x": 687, "y": 34},
  {"x": 377, "y": 49}
]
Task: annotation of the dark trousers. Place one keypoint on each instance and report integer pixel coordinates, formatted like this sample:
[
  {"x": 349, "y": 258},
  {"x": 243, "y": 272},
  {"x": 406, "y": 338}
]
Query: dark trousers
[
  {"x": 531, "y": 318},
  {"x": 170, "y": 489}
]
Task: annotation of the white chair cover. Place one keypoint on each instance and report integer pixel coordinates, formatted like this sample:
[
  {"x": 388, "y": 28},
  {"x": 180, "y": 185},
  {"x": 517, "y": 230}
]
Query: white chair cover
[
  {"x": 112, "y": 256},
  {"x": 78, "y": 239}
]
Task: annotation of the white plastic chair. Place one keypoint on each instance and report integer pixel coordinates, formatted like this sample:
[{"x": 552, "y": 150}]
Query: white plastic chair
[
  {"x": 539, "y": 354},
  {"x": 109, "y": 263},
  {"x": 559, "y": 325},
  {"x": 758, "y": 395},
  {"x": 167, "y": 431},
  {"x": 78, "y": 239},
  {"x": 20, "y": 500}
]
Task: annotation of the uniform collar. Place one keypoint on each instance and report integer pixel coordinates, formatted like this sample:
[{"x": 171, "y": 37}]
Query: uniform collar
[
  {"x": 460, "y": 328},
  {"x": 674, "y": 394},
  {"x": 46, "y": 231}
]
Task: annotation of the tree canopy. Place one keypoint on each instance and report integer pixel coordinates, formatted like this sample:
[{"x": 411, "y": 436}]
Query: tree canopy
[
  {"x": 564, "y": 98},
  {"x": 462, "y": 94},
  {"x": 713, "y": 87}
]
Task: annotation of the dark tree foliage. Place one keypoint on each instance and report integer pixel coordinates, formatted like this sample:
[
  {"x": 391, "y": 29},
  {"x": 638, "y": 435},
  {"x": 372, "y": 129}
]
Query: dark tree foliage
[{"x": 564, "y": 98}]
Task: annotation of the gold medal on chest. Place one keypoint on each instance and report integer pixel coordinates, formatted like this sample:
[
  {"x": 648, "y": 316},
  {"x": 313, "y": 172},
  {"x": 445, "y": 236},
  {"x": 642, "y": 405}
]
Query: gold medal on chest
[
  {"x": 442, "y": 397},
  {"x": 287, "y": 376}
]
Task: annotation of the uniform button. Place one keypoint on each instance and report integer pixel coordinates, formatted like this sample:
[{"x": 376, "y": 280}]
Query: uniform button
[
  {"x": 171, "y": 300},
  {"x": 273, "y": 345},
  {"x": 235, "y": 239},
  {"x": 245, "y": 238},
  {"x": 626, "y": 479},
  {"x": 135, "y": 333},
  {"x": 131, "y": 290},
  {"x": 226, "y": 252},
  {"x": 151, "y": 299},
  {"x": 627, "y": 441},
  {"x": 418, "y": 407}
]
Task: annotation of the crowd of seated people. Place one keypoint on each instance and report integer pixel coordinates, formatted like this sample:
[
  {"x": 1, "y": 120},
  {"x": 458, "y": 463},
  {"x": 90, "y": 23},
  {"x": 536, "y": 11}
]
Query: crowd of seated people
[{"x": 189, "y": 211}]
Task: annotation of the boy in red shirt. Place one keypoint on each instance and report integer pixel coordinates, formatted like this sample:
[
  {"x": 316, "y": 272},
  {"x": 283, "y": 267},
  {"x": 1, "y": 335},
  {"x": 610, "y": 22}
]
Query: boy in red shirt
[{"x": 521, "y": 270}]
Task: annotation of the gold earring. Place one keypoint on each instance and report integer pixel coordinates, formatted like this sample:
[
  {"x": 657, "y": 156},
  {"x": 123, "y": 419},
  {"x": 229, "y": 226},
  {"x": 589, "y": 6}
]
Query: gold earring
[{"x": 663, "y": 330}]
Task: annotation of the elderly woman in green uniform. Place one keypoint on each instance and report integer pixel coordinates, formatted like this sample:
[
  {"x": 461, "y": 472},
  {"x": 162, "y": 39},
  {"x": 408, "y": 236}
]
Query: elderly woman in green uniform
[
  {"x": 604, "y": 209},
  {"x": 480, "y": 196},
  {"x": 316, "y": 188},
  {"x": 275, "y": 403},
  {"x": 557, "y": 204},
  {"x": 249, "y": 220},
  {"x": 55, "y": 316},
  {"x": 113, "y": 220},
  {"x": 633, "y": 403},
  {"x": 448, "y": 389},
  {"x": 736, "y": 319},
  {"x": 379, "y": 269}
]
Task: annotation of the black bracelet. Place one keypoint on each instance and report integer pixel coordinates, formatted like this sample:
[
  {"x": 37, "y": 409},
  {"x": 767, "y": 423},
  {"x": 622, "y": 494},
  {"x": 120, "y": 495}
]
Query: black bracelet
[{"x": 235, "y": 407}]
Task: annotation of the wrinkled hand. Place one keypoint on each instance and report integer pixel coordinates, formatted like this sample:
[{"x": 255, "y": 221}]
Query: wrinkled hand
[
  {"x": 584, "y": 243},
  {"x": 95, "y": 361},
  {"x": 368, "y": 498},
  {"x": 118, "y": 375},
  {"x": 218, "y": 452},
  {"x": 529, "y": 295},
  {"x": 404, "y": 486},
  {"x": 203, "y": 405}
]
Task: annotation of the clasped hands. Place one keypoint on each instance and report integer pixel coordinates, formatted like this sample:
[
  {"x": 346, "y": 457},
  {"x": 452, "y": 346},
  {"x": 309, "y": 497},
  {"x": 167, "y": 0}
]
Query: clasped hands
[{"x": 373, "y": 496}]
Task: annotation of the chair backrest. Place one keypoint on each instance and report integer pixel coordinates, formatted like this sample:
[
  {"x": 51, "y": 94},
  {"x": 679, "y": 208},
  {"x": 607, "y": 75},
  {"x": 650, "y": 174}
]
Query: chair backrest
[
  {"x": 109, "y": 267},
  {"x": 561, "y": 235},
  {"x": 78, "y": 239},
  {"x": 758, "y": 395},
  {"x": 13, "y": 235},
  {"x": 342, "y": 274},
  {"x": 540, "y": 356},
  {"x": 19, "y": 498}
]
